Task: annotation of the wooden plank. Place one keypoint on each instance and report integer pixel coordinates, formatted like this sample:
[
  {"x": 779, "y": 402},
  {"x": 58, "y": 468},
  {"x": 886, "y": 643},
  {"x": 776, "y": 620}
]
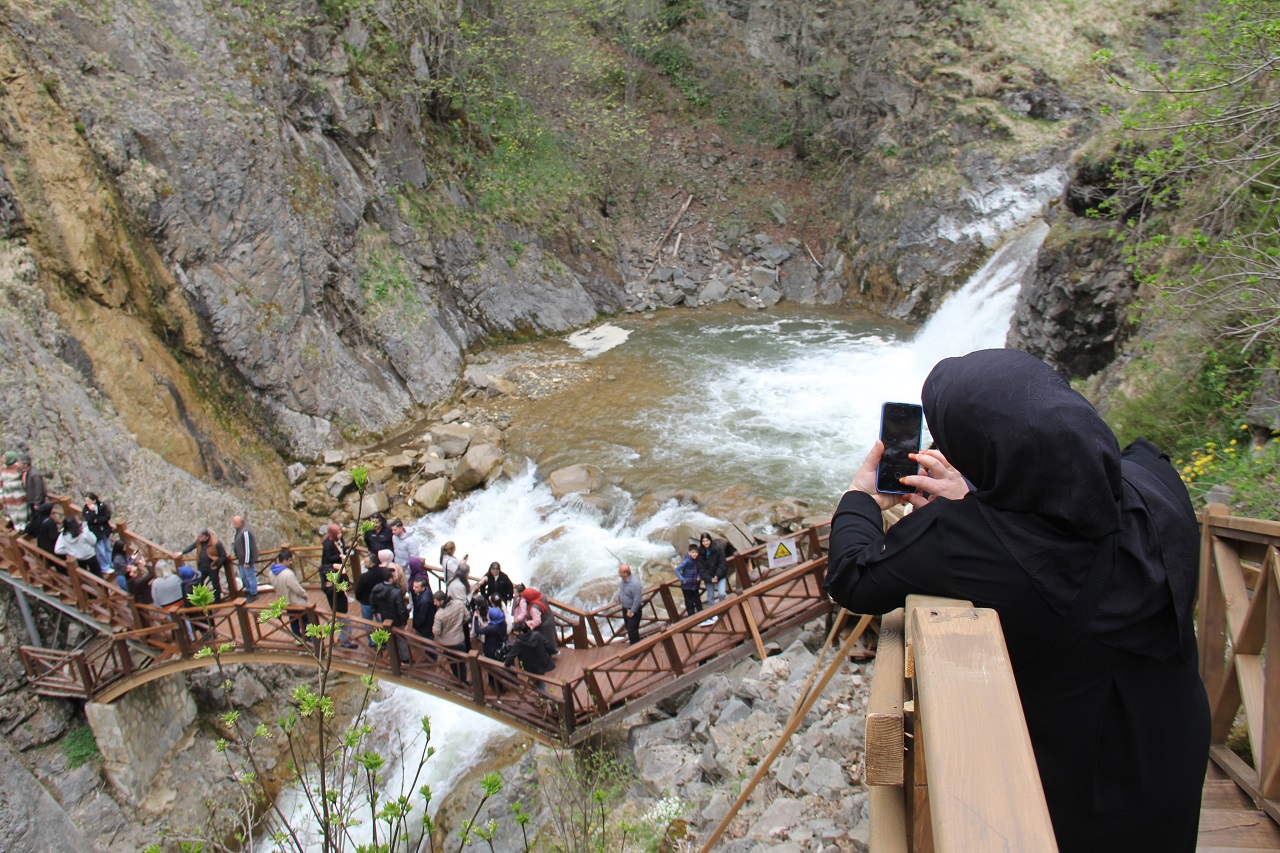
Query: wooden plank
[
  {"x": 1244, "y": 776},
  {"x": 915, "y": 602},
  {"x": 884, "y": 746},
  {"x": 1212, "y": 623},
  {"x": 1215, "y": 516},
  {"x": 984, "y": 788},
  {"x": 1239, "y": 828},
  {"x": 1269, "y": 768},
  {"x": 888, "y": 820},
  {"x": 1223, "y": 794},
  {"x": 755, "y": 629},
  {"x": 1231, "y": 577},
  {"x": 1249, "y": 675}
]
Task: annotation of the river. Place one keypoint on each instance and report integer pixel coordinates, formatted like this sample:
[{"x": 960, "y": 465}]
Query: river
[{"x": 736, "y": 406}]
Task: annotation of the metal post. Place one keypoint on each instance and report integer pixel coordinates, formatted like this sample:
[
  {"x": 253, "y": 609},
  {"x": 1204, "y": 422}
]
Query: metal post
[{"x": 26, "y": 617}]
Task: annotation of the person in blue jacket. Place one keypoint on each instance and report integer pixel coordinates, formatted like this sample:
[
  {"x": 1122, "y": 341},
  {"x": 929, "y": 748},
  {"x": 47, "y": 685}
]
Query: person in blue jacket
[{"x": 687, "y": 574}]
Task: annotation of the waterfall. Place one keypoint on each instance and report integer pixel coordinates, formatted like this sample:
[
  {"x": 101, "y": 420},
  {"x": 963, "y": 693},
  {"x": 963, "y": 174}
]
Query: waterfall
[{"x": 789, "y": 402}]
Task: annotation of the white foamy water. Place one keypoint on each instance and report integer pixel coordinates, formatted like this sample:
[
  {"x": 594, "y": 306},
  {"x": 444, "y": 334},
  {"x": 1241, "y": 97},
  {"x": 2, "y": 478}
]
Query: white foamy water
[{"x": 787, "y": 404}]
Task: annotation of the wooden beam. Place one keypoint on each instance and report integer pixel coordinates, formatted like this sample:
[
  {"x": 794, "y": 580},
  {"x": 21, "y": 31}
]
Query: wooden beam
[
  {"x": 1269, "y": 767},
  {"x": 1244, "y": 776},
  {"x": 888, "y": 820},
  {"x": 884, "y": 745},
  {"x": 755, "y": 629},
  {"x": 1211, "y": 629},
  {"x": 984, "y": 787}
]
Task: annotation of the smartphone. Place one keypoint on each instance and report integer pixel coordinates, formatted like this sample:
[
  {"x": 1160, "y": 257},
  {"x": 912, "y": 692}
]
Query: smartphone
[{"x": 900, "y": 430}]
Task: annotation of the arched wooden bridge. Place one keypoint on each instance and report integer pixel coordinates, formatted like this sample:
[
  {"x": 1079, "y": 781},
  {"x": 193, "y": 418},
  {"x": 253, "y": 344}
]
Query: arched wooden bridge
[{"x": 598, "y": 678}]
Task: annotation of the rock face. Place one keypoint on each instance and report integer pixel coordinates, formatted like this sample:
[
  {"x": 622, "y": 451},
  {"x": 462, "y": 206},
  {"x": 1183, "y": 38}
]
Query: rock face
[
  {"x": 31, "y": 821},
  {"x": 1072, "y": 312},
  {"x": 264, "y": 182}
]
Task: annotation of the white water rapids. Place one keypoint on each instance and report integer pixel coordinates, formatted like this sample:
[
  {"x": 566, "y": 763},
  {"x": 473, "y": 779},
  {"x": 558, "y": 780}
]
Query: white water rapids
[{"x": 789, "y": 403}]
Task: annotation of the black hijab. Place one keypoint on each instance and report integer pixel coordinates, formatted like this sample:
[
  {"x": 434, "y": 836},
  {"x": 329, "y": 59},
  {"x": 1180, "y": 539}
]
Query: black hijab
[{"x": 1049, "y": 480}]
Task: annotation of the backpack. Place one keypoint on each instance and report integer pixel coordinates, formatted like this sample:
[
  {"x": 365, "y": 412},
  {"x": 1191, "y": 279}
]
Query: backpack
[{"x": 188, "y": 587}]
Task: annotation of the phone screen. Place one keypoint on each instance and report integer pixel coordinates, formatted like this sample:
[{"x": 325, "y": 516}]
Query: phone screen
[{"x": 900, "y": 432}]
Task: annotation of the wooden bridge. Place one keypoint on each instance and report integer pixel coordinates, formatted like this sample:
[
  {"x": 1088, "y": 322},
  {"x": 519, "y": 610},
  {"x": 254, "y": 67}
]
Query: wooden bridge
[{"x": 598, "y": 678}]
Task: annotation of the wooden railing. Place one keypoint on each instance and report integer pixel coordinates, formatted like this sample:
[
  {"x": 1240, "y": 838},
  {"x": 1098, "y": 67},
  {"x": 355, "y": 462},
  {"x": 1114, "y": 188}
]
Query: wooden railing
[
  {"x": 948, "y": 756},
  {"x": 145, "y": 642},
  {"x": 1239, "y": 621}
]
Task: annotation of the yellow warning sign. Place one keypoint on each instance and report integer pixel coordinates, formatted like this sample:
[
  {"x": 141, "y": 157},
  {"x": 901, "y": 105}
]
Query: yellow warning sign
[{"x": 783, "y": 553}]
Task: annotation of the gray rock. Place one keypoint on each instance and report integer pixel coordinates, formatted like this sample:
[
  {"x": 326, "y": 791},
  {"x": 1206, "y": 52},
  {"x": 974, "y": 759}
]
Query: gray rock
[
  {"x": 433, "y": 494},
  {"x": 374, "y": 502},
  {"x": 30, "y": 820},
  {"x": 399, "y": 462},
  {"x": 478, "y": 465},
  {"x": 665, "y": 766},
  {"x": 297, "y": 499},
  {"x": 334, "y": 457},
  {"x": 574, "y": 478},
  {"x": 642, "y": 738},
  {"x": 762, "y": 278},
  {"x": 711, "y": 693},
  {"x": 339, "y": 484},
  {"x": 451, "y": 440},
  {"x": 735, "y": 710},
  {"x": 823, "y": 777},
  {"x": 782, "y": 815},
  {"x": 295, "y": 472},
  {"x": 770, "y": 296},
  {"x": 713, "y": 291}
]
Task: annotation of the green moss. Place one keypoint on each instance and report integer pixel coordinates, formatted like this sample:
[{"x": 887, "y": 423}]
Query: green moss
[{"x": 79, "y": 746}]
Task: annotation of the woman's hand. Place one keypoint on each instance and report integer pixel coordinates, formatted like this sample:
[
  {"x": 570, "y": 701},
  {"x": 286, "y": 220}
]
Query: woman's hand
[
  {"x": 865, "y": 480},
  {"x": 940, "y": 479}
]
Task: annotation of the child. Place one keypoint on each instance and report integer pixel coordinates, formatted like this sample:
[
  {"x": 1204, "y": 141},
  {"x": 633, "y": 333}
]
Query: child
[{"x": 687, "y": 574}]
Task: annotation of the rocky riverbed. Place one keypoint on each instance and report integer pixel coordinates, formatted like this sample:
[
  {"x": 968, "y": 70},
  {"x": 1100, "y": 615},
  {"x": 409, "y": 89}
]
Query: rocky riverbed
[{"x": 686, "y": 760}]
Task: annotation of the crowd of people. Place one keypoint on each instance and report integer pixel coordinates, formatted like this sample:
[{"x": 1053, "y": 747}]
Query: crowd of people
[{"x": 510, "y": 622}]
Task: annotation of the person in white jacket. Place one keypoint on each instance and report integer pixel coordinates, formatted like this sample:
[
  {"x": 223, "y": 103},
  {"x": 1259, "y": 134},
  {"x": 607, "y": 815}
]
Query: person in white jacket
[{"x": 78, "y": 542}]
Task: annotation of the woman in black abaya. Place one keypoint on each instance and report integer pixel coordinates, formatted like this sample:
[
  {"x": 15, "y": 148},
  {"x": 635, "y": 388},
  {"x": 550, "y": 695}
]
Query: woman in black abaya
[{"x": 1088, "y": 554}]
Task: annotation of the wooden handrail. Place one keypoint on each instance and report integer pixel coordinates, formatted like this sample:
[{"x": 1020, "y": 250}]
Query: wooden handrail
[
  {"x": 1238, "y": 617},
  {"x": 967, "y": 779}
]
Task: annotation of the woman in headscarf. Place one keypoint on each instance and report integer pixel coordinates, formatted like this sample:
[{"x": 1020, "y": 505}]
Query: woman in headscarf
[
  {"x": 538, "y": 616},
  {"x": 1089, "y": 556}
]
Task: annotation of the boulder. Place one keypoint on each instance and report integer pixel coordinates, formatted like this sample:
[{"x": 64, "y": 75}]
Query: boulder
[
  {"x": 297, "y": 499},
  {"x": 434, "y": 466},
  {"x": 488, "y": 434},
  {"x": 451, "y": 440},
  {"x": 574, "y": 478},
  {"x": 502, "y": 387},
  {"x": 712, "y": 291},
  {"x": 334, "y": 457},
  {"x": 665, "y": 766},
  {"x": 477, "y": 466},
  {"x": 762, "y": 277},
  {"x": 398, "y": 462},
  {"x": 295, "y": 472},
  {"x": 339, "y": 484},
  {"x": 374, "y": 502},
  {"x": 433, "y": 494},
  {"x": 782, "y": 815},
  {"x": 770, "y": 296},
  {"x": 824, "y": 777}
]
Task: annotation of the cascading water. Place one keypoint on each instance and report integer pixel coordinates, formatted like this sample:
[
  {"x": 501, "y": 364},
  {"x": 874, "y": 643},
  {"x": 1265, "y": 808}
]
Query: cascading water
[{"x": 787, "y": 403}]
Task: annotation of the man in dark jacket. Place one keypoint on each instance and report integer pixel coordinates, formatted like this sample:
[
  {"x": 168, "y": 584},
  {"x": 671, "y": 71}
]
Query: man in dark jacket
[
  {"x": 424, "y": 608},
  {"x": 244, "y": 545},
  {"x": 388, "y": 600},
  {"x": 370, "y": 577},
  {"x": 379, "y": 537},
  {"x": 32, "y": 482},
  {"x": 532, "y": 650}
]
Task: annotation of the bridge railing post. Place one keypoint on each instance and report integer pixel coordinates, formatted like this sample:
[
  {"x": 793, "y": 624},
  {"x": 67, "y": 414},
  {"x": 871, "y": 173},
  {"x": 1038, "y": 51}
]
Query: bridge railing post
[
  {"x": 669, "y": 602},
  {"x": 476, "y": 672},
  {"x": 77, "y": 587},
  {"x": 246, "y": 627},
  {"x": 122, "y": 654},
  {"x": 568, "y": 717},
  {"x": 84, "y": 673},
  {"x": 673, "y": 657}
]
